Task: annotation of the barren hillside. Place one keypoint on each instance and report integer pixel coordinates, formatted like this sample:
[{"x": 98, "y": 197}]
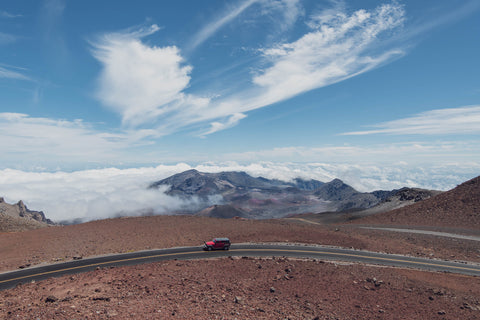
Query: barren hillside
[{"x": 459, "y": 207}]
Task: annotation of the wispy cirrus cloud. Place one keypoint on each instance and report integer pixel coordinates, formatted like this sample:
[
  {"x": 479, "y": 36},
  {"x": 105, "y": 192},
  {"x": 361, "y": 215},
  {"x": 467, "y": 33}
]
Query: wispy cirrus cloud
[
  {"x": 10, "y": 72},
  {"x": 147, "y": 84},
  {"x": 211, "y": 28},
  {"x": 6, "y": 38},
  {"x": 463, "y": 120},
  {"x": 339, "y": 47},
  {"x": 288, "y": 10},
  {"x": 9, "y": 15}
]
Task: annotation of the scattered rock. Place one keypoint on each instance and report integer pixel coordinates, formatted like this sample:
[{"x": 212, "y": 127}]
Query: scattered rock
[
  {"x": 51, "y": 299},
  {"x": 272, "y": 289},
  {"x": 101, "y": 299}
]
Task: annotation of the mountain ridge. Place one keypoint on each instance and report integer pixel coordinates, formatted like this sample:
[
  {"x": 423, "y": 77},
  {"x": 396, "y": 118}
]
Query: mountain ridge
[{"x": 259, "y": 197}]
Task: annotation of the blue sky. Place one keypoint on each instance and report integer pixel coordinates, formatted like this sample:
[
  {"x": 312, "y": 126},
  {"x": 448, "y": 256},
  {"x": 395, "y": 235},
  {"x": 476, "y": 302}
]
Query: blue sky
[{"x": 388, "y": 86}]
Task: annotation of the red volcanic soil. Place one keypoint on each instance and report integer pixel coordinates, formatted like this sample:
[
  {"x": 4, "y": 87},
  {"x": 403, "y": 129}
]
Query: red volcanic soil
[
  {"x": 246, "y": 288},
  {"x": 457, "y": 208},
  {"x": 62, "y": 243}
]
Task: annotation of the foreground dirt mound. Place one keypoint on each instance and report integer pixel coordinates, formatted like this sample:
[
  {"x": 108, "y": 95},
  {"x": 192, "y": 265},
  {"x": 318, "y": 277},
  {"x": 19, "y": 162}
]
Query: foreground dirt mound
[
  {"x": 246, "y": 288},
  {"x": 459, "y": 207}
]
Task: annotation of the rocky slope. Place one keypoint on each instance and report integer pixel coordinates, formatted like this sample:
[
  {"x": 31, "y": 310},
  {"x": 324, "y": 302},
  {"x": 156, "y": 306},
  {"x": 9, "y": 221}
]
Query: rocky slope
[
  {"x": 458, "y": 207},
  {"x": 17, "y": 217}
]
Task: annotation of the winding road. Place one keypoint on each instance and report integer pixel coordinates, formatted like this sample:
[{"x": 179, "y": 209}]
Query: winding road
[{"x": 13, "y": 278}]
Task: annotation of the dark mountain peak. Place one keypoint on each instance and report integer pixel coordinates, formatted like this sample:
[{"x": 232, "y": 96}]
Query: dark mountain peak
[{"x": 336, "y": 183}]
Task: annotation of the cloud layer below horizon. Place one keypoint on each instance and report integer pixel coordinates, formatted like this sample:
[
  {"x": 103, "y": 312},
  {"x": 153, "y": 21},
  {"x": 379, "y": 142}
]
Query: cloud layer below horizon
[{"x": 106, "y": 193}]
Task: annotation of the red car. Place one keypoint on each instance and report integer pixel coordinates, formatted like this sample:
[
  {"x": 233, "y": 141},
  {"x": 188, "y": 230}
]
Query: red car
[{"x": 217, "y": 244}]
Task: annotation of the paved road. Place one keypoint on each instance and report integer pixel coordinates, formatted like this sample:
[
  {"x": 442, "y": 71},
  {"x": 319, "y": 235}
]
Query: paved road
[
  {"x": 11, "y": 279},
  {"x": 432, "y": 233}
]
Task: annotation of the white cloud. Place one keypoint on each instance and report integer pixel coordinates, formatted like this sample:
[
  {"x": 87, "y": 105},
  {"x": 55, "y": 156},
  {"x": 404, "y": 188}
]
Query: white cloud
[
  {"x": 146, "y": 84},
  {"x": 105, "y": 193},
  {"x": 137, "y": 81},
  {"x": 90, "y": 194},
  {"x": 414, "y": 152},
  {"x": 290, "y": 10},
  {"x": 25, "y": 137},
  {"x": 211, "y": 28},
  {"x": 7, "y": 72},
  {"x": 463, "y": 120},
  {"x": 6, "y": 38},
  {"x": 5, "y": 14},
  {"x": 340, "y": 46},
  {"x": 230, "y": 122}
]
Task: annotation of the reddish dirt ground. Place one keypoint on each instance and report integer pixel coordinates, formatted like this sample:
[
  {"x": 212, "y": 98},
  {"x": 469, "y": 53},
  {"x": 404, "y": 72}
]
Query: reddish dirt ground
[
  {"x": 246, "y": 288},
  {"x": 52, "y": 244},
  {"x": 252, "y": 288},
  {"x": 459, "y": 207},
  {"x": 234, "y": 288}
]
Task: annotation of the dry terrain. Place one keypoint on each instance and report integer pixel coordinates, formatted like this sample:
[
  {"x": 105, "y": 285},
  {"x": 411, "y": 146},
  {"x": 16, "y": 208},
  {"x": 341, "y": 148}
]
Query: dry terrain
[
  {"x": 233, "y": 288},
  {"x": 247, "y": 288},
  {"x": 59, "y": 243},
  {"x": 459, "y": 207}
]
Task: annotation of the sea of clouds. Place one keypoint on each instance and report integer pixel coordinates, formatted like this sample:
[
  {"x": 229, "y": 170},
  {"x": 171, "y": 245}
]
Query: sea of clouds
[{"x": 110, "y": 192}]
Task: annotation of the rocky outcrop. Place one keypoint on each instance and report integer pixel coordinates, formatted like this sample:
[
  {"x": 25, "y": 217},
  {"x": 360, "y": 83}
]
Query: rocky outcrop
[{"x": 15, "y": 217}]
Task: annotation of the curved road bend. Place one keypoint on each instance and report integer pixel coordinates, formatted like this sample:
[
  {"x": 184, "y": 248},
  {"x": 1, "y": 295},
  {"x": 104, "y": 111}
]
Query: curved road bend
[{"x": 11, "y": 279}]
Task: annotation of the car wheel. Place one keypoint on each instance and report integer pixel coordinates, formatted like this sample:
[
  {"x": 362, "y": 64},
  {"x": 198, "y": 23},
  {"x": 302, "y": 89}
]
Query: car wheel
[
  {"x": 209, "y": 248},
  {"x": 226, "y": 248}
]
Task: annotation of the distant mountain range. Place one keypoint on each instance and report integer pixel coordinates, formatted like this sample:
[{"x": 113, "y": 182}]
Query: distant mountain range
[{"x": 237, "y": 194}]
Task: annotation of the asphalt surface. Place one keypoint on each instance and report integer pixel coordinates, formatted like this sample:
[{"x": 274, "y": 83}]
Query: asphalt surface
[
  {"x": 432, "y": 233},
  {"x": 13, "y": 278}
]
